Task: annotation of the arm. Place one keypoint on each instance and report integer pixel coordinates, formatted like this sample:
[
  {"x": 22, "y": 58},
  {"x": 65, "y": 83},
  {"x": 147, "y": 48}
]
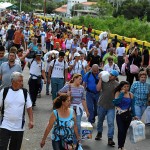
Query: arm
[
  {"x": 48, "y": 129},
  {"x": 66, "y": 74},
  {"x": 133, "y": 105},
  {"x": 49, "y": 73},
  {"x": 44, "y": 76},
  {"x": 30, "y": 115},
  {"x": 118, "y": 98},
  {"x": 99, "y": 85},
  {"x": 85, "y": 107}
]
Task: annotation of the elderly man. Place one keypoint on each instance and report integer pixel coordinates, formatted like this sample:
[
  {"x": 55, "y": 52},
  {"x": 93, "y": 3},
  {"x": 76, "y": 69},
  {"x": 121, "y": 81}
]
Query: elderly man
[
  {"x": 13, "y": 101},
  {"x": 90, "y": 81}
]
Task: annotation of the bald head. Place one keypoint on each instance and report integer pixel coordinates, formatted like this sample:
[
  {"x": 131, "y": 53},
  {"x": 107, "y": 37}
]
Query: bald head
[{"x": 95, "y": 69}]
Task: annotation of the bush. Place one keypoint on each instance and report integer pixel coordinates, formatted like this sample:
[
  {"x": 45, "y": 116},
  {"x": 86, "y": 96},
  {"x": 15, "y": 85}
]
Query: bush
[{"x": 134, "y": 28}]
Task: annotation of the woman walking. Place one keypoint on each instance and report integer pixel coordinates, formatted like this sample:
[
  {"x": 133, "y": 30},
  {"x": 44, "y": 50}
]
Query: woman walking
[{"x": 124, "y": 103}]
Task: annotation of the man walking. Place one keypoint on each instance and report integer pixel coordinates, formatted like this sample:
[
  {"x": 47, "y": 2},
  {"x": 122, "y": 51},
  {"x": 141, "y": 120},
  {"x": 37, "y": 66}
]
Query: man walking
[
  {"x": 58, "y": 73},
  {"x": 106, "y": 107},
  {"x": 90, "y": 81},
  {"x": 13, "y": 101}
]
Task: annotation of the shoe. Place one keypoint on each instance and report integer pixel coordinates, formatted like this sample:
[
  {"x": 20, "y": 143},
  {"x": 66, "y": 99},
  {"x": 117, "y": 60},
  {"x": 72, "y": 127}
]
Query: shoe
[
  {"x": 111, "y": 142},
  {"x": 47, "y": 93},
  {"x": 39, "y": 95},
  {"x": 98, "y": 136},
  {"x": 33, "y": 105}
]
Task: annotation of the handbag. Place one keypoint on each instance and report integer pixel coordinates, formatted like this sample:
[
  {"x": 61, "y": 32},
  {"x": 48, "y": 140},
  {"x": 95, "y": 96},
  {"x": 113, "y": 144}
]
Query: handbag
[{"x": 134, "y": 69}]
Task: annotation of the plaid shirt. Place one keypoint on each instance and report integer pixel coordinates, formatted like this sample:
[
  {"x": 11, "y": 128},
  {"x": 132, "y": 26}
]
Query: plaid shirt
[{"x": 140, "y": 91}]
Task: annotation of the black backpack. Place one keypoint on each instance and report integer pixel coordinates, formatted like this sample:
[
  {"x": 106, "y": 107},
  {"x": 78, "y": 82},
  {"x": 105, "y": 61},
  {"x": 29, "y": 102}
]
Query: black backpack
[{"x": 3, "y": 104}]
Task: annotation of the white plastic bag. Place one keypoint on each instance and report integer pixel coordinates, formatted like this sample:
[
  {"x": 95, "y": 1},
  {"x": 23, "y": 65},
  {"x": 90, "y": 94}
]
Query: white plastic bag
[
  {"x": 105, "y": 76},
  {"x": 147, "y": 115},
  {"x": 102, "y": 35},
  {"x": 137, "y": 131},
  {"x": 86, "y": 130}
]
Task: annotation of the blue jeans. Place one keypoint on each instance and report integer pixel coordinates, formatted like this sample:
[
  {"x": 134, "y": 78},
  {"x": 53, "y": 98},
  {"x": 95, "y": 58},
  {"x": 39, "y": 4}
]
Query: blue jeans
[
  {"x": 56, "y": 84},
  {"x": 78, "y": 121},
  {"x": 102, "y": 112},
  {"x": 139, "y": 110},
  {"x": 91, "y": 101}
]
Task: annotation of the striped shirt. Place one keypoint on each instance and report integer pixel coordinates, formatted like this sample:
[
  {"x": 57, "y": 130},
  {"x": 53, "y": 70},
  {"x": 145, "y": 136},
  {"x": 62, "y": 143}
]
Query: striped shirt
[
  {"x": 140, "y": 91},
  {"x": 77, "y": 93}
]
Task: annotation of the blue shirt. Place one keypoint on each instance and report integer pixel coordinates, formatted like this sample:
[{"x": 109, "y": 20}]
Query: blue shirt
[
  {"x": 64, "y": 129},
  {"x": 34, "y": 47},
  {"x": 91, "y": 81},
  {"x": 140, "y": 91}
]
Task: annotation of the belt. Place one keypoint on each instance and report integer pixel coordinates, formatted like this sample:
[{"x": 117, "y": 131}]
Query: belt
[{"x": 91, "y": 91}]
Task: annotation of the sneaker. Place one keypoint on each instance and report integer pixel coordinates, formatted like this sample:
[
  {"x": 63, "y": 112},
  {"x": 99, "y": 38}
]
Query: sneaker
[
  {"x": 111, "y": 142},
  {"x": 98, "y": 136}
]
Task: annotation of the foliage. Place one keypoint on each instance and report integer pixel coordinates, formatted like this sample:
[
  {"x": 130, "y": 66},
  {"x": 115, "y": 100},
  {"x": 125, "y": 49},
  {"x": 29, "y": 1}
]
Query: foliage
[
  {"x": 120, "y": 25},
  {"x": 131, "y": 9},
  {"x": 103, "y": 8}
]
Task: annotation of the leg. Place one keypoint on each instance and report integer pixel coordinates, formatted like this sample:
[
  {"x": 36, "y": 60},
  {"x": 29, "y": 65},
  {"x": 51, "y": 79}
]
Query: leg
[
  {"x": 16, "y": 140},
  {"x": 138, "y": 111},
  {"x": 60, "y": 83},
  {"x": 57, "y": 145},
  {"x": 96, "y": 97},
  {"x": 122, "y": 129},
  {"x": 47, "y": 84},
  {"x": 143, "y": 109},
  {"x": 110, "y": 122},
  {"x": 4, "y": 138},
  {"x": 130, "y": 78},
  {"x": 90, "y": 106},
  {"x": 101, "y": 112},
  {"x": 54, "y": 88}
]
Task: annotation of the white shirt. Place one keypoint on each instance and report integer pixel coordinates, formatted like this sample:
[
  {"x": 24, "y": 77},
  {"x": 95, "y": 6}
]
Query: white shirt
[
  {"x": 43, "y": 36},
  {"x": 58, "y": 68},
  {"x": 14, "y": 106},
  {"x": 120, "y": 51},
  {"x": 104, "y": 44},
  {"x": 35, "y": 68},
  {"x": 83, "y": 50},
  {"x": 84, "y": 63},
  {"x": 68, "y": 43},
  {"x": 26, "y": 35},
  {"x": 77, "y": 68},
  {"x": 110, "y": 68},
  {"x": 88, "y": 45}
]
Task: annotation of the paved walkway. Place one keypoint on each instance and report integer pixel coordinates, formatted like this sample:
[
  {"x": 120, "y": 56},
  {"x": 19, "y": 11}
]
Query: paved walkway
[{"x": 42, "y": 111}]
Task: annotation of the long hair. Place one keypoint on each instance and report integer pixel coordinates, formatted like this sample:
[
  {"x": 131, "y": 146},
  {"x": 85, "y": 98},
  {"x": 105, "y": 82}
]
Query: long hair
[
  {"x": 118, "y": 88},
  {"x": 58, "y": 101},
  {"x": 75, "y": 76}
]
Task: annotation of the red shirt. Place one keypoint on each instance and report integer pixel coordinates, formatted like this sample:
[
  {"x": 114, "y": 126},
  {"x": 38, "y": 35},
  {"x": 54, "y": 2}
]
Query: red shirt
[{"x": 85, "y": 40}]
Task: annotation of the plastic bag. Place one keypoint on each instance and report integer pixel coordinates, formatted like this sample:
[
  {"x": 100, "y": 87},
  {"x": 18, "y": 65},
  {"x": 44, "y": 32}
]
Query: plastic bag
[
  {"x": 86, "y": 130},
  {"x": 105, "y": 76},
  {"x": 102, "y": 35},
  {"x": 137, "y": 131},
  {"x": 123, "y": 72},
  {"x": 147, "y": 115}
]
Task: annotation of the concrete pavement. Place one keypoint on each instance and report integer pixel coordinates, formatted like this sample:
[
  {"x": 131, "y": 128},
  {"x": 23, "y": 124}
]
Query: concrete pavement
[{"x": 42, "y": 111}]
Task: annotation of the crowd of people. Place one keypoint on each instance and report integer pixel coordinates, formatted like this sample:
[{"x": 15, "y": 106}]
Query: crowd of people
[{"x": 69, "y": 62}]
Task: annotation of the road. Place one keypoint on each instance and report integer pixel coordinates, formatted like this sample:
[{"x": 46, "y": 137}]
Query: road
[{"x": 42, "y": 111}]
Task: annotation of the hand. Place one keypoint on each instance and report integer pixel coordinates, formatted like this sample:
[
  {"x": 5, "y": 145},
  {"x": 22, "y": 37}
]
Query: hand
[
  {"x": 45, "y": 81},
  {"x": 48, "y": 81},
  {"x": 123, "y": 91},
  {"x": 135, "y": 118},
  {"x": 30, "y": 125},
  {"x": 42, "y": 143}
]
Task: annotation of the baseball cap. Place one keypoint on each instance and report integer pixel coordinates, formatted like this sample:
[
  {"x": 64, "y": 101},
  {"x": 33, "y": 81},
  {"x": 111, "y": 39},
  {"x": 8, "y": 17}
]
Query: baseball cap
[
  {"x": 76, "y": 54},
  {"x": 38, "y": 53},
  {"x": 114, "y": 73}
]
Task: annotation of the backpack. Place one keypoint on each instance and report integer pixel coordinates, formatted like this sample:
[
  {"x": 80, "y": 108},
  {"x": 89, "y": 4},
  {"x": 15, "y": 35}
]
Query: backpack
[{"x": 25, "y": 92}]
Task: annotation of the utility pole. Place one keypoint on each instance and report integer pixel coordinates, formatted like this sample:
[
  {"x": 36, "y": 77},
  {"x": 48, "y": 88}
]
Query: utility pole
[{"x": 44, "y": 7}]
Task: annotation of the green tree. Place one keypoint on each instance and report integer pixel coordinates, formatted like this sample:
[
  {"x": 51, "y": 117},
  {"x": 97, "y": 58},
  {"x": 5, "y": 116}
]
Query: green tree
[{"x": 103, "y": 8}]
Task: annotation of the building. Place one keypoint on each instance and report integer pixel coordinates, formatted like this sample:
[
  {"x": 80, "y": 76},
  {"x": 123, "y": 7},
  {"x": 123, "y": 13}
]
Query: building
[{"x": 65, "y": 10}]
